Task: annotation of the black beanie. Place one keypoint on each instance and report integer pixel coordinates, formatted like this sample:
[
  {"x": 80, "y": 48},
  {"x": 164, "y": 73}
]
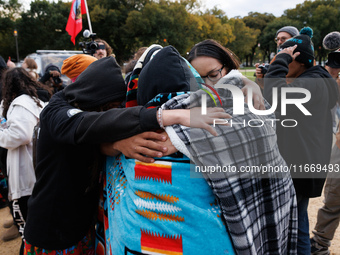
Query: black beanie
[
  {"x": 304, "y": 46},
  {"x": 101, "y": 83},
  {"x": 167, "y": 72}
]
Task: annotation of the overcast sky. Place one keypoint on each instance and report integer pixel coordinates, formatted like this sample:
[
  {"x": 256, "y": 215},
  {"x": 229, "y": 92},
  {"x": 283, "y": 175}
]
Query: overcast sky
[{"x": 234, "y": 8}]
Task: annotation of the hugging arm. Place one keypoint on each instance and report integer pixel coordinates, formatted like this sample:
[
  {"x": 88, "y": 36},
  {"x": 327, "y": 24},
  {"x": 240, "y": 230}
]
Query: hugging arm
[{"x": 147, "y": 145}]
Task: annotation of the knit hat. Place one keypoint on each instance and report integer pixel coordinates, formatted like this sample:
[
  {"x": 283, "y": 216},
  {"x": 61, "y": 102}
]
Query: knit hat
[
  {"x": 100, "y": 83},
  {"x": 76, "y": 64},
  {"x": 334, "y": 59},
  {"x": 304, "y": 46},
  {"x": 293, "y": 31}
]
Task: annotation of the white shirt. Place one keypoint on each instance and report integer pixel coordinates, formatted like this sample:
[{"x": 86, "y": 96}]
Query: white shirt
[{"x": 22, "y": 116}]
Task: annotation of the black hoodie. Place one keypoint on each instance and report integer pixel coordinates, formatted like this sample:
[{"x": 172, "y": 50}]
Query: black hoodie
[
  {"x": 307, "y": 146},
  {"x": 65, "y": 197}
]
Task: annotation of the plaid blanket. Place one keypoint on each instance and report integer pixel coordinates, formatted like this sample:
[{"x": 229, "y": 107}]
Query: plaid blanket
[{"x": 259, "y": 208}]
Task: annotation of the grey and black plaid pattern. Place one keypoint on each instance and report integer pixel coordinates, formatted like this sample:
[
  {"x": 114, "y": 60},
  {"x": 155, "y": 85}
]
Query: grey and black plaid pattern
[{"x": 259, "y": 209}]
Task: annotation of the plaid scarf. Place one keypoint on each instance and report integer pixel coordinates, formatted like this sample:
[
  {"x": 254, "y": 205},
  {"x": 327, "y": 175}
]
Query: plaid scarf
[{"x": 259, "y": 209}]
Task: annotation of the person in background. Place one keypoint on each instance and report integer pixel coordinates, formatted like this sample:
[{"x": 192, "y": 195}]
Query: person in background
[
  {"x": 309, "y": 142},
  {"x": 73, "y": 66},
  {"x": 328, "y": 216},
  {"x": 21, "y": 108},
  {"x": 3, "y": 174},
  {"x": 3, "y": 170},
  {"x": 31, "y": 67},
  {"x": 10, "y": 63},
  {"x": 282, "y": 35},
  {"x": 104, "y": 49},
  {"x": 52, "y": 79},
  {"x": 128, "y": 68}
]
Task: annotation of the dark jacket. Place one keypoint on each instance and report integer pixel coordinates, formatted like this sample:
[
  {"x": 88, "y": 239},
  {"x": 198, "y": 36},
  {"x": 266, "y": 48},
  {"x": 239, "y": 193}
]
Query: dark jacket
[
  {"x": 65, "y": 197},
  {"x": 310, "y": 141}
]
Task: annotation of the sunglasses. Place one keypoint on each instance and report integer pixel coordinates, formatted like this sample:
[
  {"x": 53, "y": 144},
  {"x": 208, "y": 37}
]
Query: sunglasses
[{"x": 101, "y": 47}]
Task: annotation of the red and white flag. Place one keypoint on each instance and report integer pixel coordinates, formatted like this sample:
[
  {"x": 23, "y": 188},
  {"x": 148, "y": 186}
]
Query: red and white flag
[{"x": 74, "y": 24}]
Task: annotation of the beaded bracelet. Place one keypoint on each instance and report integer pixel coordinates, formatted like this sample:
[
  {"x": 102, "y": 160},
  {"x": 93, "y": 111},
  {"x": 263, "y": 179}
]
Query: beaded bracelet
[{"x": 160, "y": 117}]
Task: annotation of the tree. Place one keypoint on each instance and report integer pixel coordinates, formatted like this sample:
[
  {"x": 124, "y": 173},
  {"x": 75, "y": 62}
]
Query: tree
[
  {"x": 245, "y": 38},
  {"x": 259, "y": 21},
  {"x": 163, "y": 23},
  {"x": 108, "y": 22},
  {"x": 215, "y": 26},
  {"x": 47, "y": 22},
  {"x": 323, "y": 16},
  {"x": 9, "y": 13}
]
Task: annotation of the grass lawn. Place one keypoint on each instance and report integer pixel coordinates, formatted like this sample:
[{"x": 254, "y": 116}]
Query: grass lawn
[{"x": 249, "y": 73}]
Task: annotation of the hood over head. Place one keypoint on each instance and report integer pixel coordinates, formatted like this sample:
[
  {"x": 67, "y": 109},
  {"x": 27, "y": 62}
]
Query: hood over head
[
  {"x": 52, "y": 67},
  {"x": 101, "y": 83},
  {"x": 167, "y": 72}
]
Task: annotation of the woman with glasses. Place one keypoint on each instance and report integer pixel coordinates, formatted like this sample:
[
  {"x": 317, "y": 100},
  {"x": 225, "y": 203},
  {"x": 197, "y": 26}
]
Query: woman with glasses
[
  {"x": 212, "y": 61},
  {"x": 273, "y": 224}
]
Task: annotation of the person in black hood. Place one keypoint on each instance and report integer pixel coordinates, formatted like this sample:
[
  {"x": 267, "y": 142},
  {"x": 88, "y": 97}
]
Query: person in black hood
[
  {"x": 304, "y": 138},
  {"x": 73, "y": 126},
  {"x": 52, "y": 79}
]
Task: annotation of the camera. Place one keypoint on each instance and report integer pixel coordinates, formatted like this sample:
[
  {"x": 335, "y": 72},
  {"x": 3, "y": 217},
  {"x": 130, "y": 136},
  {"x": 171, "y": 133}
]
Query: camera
[
  {"x": 264, "y": 68},
  {"x": 89, "y": 47},
  {"x": 57, "y": 80}
]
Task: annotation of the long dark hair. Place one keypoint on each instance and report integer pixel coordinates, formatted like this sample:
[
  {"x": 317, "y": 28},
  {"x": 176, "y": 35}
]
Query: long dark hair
[
  {"x": 16, "y": 82},
  {"x": 211, "y": 48}
]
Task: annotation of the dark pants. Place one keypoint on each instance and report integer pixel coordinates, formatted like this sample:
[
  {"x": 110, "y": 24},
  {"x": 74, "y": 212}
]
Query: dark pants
[
  {"x": 19, "y": 212},
  {"x": 303, "y": 245}
]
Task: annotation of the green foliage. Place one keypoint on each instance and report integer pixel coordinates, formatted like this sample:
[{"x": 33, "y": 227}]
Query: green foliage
[
  {"x": 9, "y": 13},
  {"x": 323, "y": 16},
  {"x": 245, "y": 38}
]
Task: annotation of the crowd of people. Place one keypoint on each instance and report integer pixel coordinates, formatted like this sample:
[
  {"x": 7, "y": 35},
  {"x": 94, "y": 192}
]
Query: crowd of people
[{"x": 108, "y": 164}]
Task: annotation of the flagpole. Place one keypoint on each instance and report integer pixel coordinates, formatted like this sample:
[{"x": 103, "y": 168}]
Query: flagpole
[{"x": 88, "y": 16}]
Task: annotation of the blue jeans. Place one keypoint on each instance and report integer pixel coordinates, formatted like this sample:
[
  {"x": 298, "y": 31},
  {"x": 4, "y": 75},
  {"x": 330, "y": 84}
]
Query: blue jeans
[{"x": 303, "y": 245}]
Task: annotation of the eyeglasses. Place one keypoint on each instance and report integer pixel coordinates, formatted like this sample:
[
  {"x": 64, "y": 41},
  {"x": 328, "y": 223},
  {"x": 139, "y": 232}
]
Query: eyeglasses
[
  {"x": 282, "y": 39},
  {"x": 214, "y": 75}
]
